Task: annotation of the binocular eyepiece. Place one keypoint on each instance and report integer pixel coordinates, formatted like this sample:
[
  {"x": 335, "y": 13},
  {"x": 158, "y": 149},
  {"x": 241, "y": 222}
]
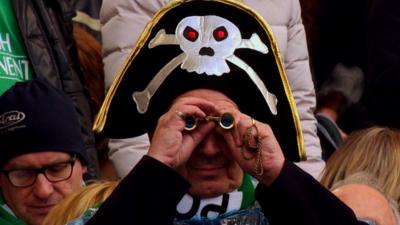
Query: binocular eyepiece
[{"x": 226, "y": 121}]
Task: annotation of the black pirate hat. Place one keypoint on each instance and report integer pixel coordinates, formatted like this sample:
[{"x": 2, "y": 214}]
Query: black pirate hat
[{"x": 215, "y": 44}]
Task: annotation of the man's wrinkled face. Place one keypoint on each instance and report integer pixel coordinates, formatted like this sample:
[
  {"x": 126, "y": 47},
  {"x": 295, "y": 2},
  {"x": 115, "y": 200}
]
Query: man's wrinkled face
[
  {"x": 32, "y": 204},
  {"x": 210, "y": 169}
]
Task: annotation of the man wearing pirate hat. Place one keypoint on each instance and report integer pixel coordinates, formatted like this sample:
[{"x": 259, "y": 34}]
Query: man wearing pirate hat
[
  {"x": 216, "y": 103},
  {"x": 128, "y": 20}
]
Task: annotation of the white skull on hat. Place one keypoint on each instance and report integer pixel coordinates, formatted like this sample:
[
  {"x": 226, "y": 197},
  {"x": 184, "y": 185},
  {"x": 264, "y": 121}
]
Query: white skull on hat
[{"x": 207, "y": 42}]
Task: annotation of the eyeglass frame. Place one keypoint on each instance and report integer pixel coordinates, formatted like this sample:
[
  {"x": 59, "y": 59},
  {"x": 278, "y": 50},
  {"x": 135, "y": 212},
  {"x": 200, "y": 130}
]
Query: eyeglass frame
[
  {"x": 42, "y": 170},
  {"x": 367, "y": 221}
]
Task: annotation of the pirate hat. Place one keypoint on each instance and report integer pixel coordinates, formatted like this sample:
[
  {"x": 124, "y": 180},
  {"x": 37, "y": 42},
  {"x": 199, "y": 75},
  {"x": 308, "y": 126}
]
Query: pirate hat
[{"x": 216, "y": 44}]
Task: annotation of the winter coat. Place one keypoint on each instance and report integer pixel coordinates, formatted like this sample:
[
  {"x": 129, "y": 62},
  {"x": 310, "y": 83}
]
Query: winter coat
[{"x": 46, "y": 28}]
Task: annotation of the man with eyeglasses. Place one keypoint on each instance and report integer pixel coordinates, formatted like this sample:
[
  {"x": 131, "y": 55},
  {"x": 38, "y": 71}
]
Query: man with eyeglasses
[{"x": 42, "y": 153}]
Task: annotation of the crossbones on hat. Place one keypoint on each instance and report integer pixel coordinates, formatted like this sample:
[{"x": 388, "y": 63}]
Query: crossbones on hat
[{"x": 214, "y": 44}]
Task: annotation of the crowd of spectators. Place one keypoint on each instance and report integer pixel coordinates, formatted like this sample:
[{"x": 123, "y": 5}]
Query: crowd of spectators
[{"x": 199, "y": 112}]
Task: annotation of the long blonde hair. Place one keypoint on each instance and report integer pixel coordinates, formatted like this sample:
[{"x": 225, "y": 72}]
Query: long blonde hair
[
  {"x": 375, "y": 151},
  {"x": 74, "y": 205}
]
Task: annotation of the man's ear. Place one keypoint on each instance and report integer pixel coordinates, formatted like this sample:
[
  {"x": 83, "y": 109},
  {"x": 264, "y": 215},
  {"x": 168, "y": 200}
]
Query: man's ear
[
  {"x": 84, "y": 169},
  {"x": 84, "y": 175}
]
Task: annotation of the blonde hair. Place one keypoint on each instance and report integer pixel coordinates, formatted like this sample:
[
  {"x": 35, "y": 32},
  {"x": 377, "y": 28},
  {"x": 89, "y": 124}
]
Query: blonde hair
[
  {"x": 74, "y": 205},
  {"x": 375, "y": 151}
]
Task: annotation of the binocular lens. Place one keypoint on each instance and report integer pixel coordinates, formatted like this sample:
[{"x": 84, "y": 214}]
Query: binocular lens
[
  {"x": 227, "y": 121},
  {"x": 190, "y": 123}
]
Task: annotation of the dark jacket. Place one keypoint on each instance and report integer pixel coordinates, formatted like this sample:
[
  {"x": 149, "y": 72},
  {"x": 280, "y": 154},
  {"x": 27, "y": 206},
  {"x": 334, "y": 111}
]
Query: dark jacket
[
  {"x": 150, "y": 192},
  {"x": 383, "y": 67},
  {"x": 297, "y": 198},
  {"x": 46, "y": 28}
]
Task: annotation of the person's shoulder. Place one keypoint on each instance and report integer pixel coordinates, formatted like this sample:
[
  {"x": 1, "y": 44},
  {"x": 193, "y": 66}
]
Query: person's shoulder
[
  {"x": 144, "y": 5},
  {"x": 275, "y": 12}
]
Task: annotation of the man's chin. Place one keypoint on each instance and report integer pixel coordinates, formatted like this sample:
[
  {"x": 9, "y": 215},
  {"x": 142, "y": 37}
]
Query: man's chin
[
  {"x": 35, "y": 221},
  {"x": 37, "y": 217},
  {"x": 209, "y": 189}
]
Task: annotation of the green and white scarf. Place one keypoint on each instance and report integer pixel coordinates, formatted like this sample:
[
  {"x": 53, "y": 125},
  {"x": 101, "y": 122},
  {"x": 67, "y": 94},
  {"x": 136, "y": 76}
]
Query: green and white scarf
[
  {"x": 6, "y": 215},
  {"x": 191, "y": 207}
]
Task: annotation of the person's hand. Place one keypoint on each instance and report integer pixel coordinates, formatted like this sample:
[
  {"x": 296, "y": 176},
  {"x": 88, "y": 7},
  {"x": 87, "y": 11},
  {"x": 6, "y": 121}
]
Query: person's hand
[
  {"x": 170, "y": 144},
  {"x": 264, "y": 162}
]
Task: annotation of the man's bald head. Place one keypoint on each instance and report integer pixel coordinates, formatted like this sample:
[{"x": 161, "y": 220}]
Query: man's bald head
[
  {"x": 366, "y": 200},
  {"x": 367, "y": 203}
]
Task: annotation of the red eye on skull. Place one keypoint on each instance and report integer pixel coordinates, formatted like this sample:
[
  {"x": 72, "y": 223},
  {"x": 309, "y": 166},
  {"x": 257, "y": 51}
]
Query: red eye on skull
[
  {"x": 190, "y": 34},
  {"x": 220, "y": 33}
]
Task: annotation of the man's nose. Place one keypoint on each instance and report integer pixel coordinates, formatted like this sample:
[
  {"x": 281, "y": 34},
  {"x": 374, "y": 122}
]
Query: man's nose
[
  {"x": 209, "y": 147},
  {"x": 42, "y": 188}
]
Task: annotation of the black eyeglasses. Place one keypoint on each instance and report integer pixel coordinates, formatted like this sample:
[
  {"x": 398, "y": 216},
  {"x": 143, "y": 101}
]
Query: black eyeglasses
[{"x": 54, "y": 173}]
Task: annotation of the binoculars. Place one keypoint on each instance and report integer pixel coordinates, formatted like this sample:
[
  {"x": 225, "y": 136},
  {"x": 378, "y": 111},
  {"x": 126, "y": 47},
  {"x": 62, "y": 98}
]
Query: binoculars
[{"x": 226, "y": 121}]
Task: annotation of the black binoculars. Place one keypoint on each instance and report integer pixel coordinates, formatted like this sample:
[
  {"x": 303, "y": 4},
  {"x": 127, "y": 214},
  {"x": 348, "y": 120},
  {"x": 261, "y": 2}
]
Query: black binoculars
[{"x": 226, "y": 121}]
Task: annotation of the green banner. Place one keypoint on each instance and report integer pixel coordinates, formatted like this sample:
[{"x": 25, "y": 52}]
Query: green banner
[{"x": 14, "y": 63}]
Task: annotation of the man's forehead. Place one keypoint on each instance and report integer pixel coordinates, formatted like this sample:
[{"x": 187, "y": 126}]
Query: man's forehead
[
  {"x": 36, "y": 159},
  {"x": 208, "y": 94}
]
